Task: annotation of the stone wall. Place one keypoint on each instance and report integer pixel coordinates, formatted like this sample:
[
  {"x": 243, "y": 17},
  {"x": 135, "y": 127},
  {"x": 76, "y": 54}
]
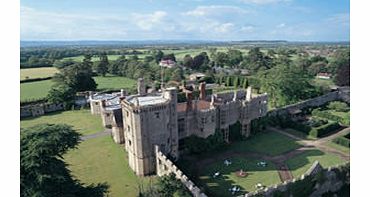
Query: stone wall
[
  {"x": 340, "y": 94},
  {"x": 332, "y": 182},
  {"x": 40, "y": 109},
  {"x": 166, "y": 166}
]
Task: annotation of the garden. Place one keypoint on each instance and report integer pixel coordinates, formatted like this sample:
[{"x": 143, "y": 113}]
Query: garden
[{"x": 318, "y": 122}]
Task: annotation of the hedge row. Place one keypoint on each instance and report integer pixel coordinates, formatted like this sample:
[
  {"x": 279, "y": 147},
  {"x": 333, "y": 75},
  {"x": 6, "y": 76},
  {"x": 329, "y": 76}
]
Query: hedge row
[
  {"x": 35, "y": 79},
  {"x": 329, "y": 116},
  {"x": 325, "y": 129},
  {"x": 342, "y": 141}
]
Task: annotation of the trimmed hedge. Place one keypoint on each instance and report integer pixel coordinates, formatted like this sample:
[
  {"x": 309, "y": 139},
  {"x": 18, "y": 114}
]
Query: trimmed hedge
[
  {"x": 325, "y": 129},
  {"x": 35, "y": 79},
  {"x": 330, "y": 116},
  {"x": 342, "y": 141}
]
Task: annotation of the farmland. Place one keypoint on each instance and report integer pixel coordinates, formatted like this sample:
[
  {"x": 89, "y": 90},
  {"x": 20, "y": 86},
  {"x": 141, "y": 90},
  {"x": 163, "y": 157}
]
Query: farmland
[
  {"x": 32, "y": 73},
  {"x": 39, "y": 89}
]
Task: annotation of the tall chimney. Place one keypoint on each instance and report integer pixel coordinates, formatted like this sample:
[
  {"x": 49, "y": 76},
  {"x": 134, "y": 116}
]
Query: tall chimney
[
  {"x": 202, "y": 91},
  {"x": 189, "y": 100},
  {"x": 141, "y": 87},
  {"x": 248, "y": 96}
]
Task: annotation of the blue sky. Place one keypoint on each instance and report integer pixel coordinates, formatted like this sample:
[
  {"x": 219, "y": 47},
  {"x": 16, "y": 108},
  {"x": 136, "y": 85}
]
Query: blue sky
[{"x": 293, "y": 20}]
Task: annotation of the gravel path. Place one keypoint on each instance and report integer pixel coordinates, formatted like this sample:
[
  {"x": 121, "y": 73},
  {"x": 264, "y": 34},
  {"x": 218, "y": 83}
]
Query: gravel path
[{"x": 96, "y": 135}]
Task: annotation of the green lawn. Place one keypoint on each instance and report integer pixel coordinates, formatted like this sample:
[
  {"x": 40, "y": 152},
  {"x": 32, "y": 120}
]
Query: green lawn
[
  {"x": 39, "y": 89},
  {"x": 220, "y": 186},
  {"x": 35, "y": 90},
  {"x": 100, "y": 160},
  {"x": 31, "y": 73},
  {"x": 338, "y": 147},
  {"x": 271, "y": 143},
  {"x": 301, "y": 163},
  {"x": 114, "y": 82},
  {"x": 81, "y": 120},
  {"x": 299, "y": 134}
]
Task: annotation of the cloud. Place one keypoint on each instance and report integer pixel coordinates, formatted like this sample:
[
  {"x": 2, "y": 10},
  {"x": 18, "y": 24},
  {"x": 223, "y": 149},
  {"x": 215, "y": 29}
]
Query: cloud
[
  {"x": 148, "y": 21},
  {"x": 339, "y": 19},
  {"x": 41, "y": 25},
  {"x": 215, "y": 10},
  {"x": 264, "y": 2}
]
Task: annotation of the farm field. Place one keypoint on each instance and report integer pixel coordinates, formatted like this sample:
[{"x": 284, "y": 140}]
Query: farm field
[
  {"x": 301, "y": 163},
  {"x": 270, "y": 143},
  {"x": 220, "y": 186},
  {"x": 32, "y": 73},
  {"x": 81, "y": 120},
  {"x": 35, "y": 90},
  {"x": 39, "y": 89},
  {"x": 100, "y": 160}
]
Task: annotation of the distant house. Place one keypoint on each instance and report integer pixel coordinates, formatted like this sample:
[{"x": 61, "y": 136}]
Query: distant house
[
  {"x": 167, "y": 63},
  {"x": 323, "y": 76},
  {"x": 196, "y": 76}
]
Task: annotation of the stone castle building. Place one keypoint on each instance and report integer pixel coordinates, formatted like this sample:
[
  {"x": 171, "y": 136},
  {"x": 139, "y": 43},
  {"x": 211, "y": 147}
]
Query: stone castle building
[{"x": 146, "y": 120}]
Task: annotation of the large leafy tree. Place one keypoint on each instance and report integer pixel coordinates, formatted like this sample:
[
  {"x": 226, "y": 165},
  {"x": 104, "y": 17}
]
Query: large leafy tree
[
  {"x": 61, "y": 94},
  {"x": 43, "y": 170},
  {"x": 342, "y": 77},
  {"x": 287, "y": 84},
  {"x": 102, "y": 66}
]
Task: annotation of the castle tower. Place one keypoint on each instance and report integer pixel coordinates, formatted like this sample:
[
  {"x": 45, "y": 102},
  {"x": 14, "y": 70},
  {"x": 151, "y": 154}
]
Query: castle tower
[{"x": 150, "y": 120}]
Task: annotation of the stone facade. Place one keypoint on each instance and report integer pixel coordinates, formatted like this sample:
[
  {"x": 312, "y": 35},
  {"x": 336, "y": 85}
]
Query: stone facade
[
  {"x": 147, "y": 119},
  {"x": 40, "y": 109}
]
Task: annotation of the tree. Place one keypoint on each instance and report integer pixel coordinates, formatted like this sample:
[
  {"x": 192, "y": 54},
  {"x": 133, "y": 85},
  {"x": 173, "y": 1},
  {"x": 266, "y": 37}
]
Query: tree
[
  {"x": 167, "y": 186},
  {"x": 201, "y": 61},
  {"x": 221, "y": 59},
  {"x": 245, "y": 83},
  {"x": 77, "y": 76},
  {"x": 235, "y": 57},
  {"x": 188, "y": 61},
  {"x": 342, "y": 77},
  {"x": 177, "y": 75},
  {"x": 102, "y": 66},
  {"x": 236, "y": 81},
  {"x": 287, "y": 84},
  {"x": 61, "y": 94},
  {"x": 43, "y": 170},
  {"x": 256, "y": 61}
]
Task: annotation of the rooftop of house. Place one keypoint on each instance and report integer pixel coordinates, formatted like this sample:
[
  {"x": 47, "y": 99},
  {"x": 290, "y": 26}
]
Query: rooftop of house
[
  {"x": 201, "y": 105},
  {"x": 147, "y": 100}
]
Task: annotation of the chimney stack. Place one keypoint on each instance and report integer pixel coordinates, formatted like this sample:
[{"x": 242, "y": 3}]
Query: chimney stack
[
  {"x": 248, "y": 96},
  {"x": 202, "y": 91},
  {"x": 141, "y": 90}
]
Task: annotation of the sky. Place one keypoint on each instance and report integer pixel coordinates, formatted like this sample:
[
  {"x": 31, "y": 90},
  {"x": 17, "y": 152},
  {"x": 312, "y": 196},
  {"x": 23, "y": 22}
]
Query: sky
[{"x": 223, "y": 20}]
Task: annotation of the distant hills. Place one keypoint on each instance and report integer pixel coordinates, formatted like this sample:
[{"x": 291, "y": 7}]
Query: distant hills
[{"x": 94, "y": 43}]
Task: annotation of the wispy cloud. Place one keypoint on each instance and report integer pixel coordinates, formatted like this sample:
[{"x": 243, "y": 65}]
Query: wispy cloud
[
  {"x": 215, "y": 10},
  {"x": 339, "y": 19},
  {"x": 148, "y": 21},
  {"x": 264, "y": 2}
]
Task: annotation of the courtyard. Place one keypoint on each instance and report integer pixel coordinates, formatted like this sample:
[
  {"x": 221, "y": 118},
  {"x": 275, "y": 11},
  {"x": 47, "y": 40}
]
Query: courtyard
[{"x": 285, "y": 156}]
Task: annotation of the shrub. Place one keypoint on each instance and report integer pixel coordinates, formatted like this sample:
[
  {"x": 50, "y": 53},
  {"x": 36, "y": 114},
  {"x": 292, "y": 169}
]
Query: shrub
[
  {"x": 342, "y": 141},
  {"x": 198, "y": 145},
  {"x": 329, "y": 116},
  {"x": 338, "y": 106},
  {"x": 325, "y": 129}
]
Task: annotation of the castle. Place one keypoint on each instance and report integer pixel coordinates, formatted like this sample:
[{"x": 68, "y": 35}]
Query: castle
[{"x": 151, "y": 119}]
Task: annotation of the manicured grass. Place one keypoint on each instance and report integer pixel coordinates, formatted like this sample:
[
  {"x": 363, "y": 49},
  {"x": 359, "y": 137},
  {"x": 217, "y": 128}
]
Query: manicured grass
[
  {"x": 40, "y": 89},
  {"x": 220, "y": 186},
  {"x": 100, "y": 160},
  {"x": 299, "y": 134},
  {"x": 114, "y": 82},
  {"x": 301, "y": 163},
  {"x": 35, "y": 90},
  {"x": 271, "y": 143},
  {"x": 81, "y": 120},
  {"x": 338, "y": 147},
  {"x": 32, "y": 73}
]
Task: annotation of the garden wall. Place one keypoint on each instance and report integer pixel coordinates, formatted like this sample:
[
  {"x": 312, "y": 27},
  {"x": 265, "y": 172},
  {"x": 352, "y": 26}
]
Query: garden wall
[
  {"x": 40, "y": 109},
  {"x": 166, "y": 166},
  {"x": 340, "y": 94},
  {"x": 333, "y": 182}
]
